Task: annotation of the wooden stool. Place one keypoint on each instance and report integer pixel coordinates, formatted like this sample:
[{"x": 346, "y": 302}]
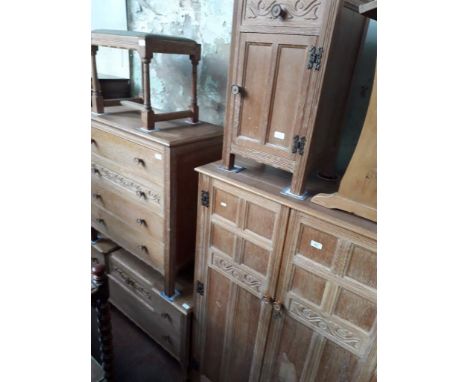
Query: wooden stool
[{"x": 145, "y": 44}]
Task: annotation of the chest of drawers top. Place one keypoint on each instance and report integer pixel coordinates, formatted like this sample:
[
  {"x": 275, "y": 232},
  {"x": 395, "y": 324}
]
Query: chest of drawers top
[{"x": 123, "y": 121}]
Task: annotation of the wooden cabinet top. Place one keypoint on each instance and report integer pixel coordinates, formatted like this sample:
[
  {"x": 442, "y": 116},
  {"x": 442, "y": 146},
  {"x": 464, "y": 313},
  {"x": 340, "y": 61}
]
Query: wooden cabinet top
[
  {"x": 154, "y": 43},
  {"x": 268, "y": 182},
  {"x": 170, "y": 133}
]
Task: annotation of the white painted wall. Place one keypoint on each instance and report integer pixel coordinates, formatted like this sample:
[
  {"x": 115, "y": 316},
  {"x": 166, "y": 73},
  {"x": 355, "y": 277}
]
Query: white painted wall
[{"x": 111, "y": 14}]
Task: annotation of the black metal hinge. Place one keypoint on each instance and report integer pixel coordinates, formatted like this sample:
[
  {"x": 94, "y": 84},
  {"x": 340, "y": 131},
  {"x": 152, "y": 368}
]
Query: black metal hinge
[
  {"x": 315, "y": 58},
  {"x": 200, "y": 288},
  {"x": 298, "y": 145},
  {"x": 205, "y": 198}
]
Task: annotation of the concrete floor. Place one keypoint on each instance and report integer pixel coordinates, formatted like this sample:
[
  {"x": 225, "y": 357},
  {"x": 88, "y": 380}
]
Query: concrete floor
[{"x": 137, "y": 358}]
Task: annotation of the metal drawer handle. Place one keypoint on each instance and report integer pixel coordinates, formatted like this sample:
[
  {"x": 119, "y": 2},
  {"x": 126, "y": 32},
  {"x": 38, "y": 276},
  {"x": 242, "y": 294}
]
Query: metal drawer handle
[
  {"x": 141, "y": 194},
  {"x": 139, "y": 161},
  {"x": 236, "y": 89},
  {"x": 143, "y": 248},
  {"x": 101, "y": 221},
  {"x": 278, "y": 11},
  {"x": 141, "y": 222},
  {"x": 166, "y": 316},
  {"x": 167, "y": 339},
  {"x": 97, "y": 196}
]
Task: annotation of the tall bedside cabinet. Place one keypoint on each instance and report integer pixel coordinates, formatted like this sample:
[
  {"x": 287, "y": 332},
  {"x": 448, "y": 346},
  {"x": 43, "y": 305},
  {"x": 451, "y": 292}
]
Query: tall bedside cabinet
[{"x": 291, "y": 67}]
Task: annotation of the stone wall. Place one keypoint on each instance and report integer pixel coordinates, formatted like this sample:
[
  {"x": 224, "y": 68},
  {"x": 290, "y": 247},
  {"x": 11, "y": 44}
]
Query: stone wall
[{"x": 209, "y": 22}]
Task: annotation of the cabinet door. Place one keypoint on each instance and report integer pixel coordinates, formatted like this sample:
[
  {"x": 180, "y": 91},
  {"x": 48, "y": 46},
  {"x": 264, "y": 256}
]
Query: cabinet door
[
  {"x": 326, "y": 328},
  {"x": 274, "y": 79},
  {"x": 240, "y": 237}
]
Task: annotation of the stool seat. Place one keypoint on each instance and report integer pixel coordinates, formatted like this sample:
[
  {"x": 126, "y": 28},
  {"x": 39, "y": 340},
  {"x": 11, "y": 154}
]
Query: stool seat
[
  {"x": 145, "y": 44},
  {"x": 142, "y": 41}
]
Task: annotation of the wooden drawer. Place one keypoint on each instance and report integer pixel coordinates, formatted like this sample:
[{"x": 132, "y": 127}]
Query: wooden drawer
[
  {"x": 124, "y": 298},
  {"x": 141, "y": 161},
  {"x": 145, "y": 247},
  {"x": 136, "y": 214},
  {"x": 282, "y": 14},
  {"x": 100, "y": 249},
  {"x": 136, "y": 292},
  {"x": 151, "y": 197}
]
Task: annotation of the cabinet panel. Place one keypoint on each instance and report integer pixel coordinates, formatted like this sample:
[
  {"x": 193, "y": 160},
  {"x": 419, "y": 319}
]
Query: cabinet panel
[
  {"x": 335, "y": 313},
  {"x": 274, "y": 79},
  {"x": 240, "y": 258}
]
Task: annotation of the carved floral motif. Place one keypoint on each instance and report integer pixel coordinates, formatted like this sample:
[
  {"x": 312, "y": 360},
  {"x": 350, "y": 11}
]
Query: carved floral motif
[
  {"x": 308, "y": 10},
  {"x": 126, "y": 183},
  {"x": 340, "y": 334},
  {"x": 132, "y": 283},
  {"x": 239, "y": 274}
]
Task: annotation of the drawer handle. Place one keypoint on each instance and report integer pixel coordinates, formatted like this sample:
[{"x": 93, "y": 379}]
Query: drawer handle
[
  {"x": 278, "y": 11},
  {"x": 141, "y": 194},
  {"x": 141, "y": 222},
  {"x": 143, "y": 248},
  {"x": 101, "y": 221},
  {"x": 97, "y": 196},
  {"x": 139, "y": 161},
  {"x": 236, "y": 89},
  {"x": 166, "y": 316},
  {"x": 167, "y": 339}
]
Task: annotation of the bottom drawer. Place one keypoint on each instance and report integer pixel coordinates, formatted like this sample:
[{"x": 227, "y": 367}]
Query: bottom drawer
[{"x": 143, "y": 315}]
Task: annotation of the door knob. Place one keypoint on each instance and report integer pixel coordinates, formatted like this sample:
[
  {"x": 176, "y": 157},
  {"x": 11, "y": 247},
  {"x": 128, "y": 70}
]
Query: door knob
[{"x": 278, "y": 11}]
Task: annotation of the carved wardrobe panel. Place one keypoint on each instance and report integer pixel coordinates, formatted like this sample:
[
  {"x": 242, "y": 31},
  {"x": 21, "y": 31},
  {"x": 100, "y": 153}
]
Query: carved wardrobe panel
[
  {"x": 243, "y": 235},
  {"x": 286, "y": 292}
]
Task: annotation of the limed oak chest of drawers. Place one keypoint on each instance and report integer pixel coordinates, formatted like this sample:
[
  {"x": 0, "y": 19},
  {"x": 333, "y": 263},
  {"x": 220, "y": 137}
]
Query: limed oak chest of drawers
[
  {"x": 144, "y": 186},
  {"x": 285, "y": 290}
]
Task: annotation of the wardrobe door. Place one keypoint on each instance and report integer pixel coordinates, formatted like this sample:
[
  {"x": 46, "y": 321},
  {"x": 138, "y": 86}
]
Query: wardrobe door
[
  {"x": 239, "y": 241},
  {"x": 269, "y": 94},
  {"x": 324, "y": 325}
]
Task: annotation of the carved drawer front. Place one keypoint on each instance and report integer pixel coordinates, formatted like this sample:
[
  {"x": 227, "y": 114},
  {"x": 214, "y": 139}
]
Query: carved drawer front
[
  {"x": 139, "y": 311},
  {"x": 136, "y": 294},
  {"x": 143, "y": 162},
  {"x": 271, "y": 108},
  {"x": 136, "y": 215},
  {"x": 150, "y": 197},
  {"x": 145, "y": 247},
  {"x": 277, "y": 14}
]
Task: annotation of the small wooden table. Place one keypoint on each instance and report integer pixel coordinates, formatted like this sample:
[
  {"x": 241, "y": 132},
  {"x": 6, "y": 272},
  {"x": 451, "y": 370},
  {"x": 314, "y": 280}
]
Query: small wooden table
[{"x": 146, "y": 44}]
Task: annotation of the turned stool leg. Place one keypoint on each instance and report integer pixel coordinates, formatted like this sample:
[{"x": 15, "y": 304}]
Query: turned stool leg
[
  {"x": 194, "y": 105},
  {"x": 147, "y": 115},
  {"x": 100, "y": 298},
  {"x": 97, "y": 101}
]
